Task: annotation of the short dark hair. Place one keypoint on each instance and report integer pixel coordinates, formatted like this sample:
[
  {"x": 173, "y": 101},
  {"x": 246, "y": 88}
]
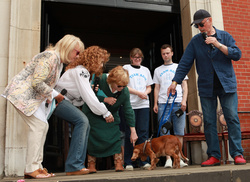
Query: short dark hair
[{"x": 165, "y": 46}]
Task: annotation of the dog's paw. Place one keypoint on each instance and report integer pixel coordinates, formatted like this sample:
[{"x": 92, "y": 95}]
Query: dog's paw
[
  {"x": 176, "y": 166},
  {"x": 152, "y": 167}
]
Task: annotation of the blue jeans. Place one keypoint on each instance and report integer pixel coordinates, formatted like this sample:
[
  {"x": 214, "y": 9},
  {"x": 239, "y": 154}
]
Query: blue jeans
[
  {"x": 178, "y": 123},
  {"x": 142, "y": 130},
  {"x": 229, "y": 104},
  {"x": 79, "y": 140}
]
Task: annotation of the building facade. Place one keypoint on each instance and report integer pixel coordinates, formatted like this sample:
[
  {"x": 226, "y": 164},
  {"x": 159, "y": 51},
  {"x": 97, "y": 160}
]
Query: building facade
[
  {"x": 20, "y": 35},
  {"x": 236, "y": 21}
]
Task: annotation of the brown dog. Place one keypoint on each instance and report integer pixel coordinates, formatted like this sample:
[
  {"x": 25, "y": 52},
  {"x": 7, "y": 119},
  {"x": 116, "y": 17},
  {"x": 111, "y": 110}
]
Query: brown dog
[{"x": 162, "y": 146}]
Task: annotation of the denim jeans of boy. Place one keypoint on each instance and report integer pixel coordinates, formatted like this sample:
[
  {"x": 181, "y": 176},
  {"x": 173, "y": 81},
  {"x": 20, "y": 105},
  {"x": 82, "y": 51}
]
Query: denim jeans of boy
[
  {"x": 142, "y": 130},
  {"x": 79, "y": 140},
  {"x": 229, "y": 104}
]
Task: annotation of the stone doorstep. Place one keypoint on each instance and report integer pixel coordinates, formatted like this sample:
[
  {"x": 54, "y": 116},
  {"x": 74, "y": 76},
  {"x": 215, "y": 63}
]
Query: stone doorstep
[{"x": 193, "y": 173}]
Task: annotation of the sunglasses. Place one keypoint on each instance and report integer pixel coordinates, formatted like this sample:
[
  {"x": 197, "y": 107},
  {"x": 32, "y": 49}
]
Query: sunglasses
[
  {"x": 119, "y": 86},
  {"x": 77, "y": 52},
  {"x": 200, "y": 24}
]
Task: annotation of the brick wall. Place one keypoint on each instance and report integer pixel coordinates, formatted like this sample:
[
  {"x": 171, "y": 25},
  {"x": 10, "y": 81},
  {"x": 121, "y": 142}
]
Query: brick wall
[{"x": 236, "y": 17}]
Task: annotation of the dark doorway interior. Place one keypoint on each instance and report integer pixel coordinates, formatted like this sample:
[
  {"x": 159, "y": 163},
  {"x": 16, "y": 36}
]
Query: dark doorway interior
[{"x": 116, "y": 29}]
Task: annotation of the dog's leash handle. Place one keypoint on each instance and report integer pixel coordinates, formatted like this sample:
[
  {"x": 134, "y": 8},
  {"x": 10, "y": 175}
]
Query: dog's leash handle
[{"x": 162, "y": 119}]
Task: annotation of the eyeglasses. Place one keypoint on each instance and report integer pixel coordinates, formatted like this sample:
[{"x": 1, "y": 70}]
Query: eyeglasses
[
  {"x": 137, "y": 58},
  {"x": 77, "y": 52},
  {"x": 119, "y": 86},
  {"x": 200, "y": 24}
]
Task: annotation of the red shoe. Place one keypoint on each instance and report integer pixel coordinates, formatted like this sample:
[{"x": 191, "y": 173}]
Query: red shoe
[
  {"x": 239, "y": 160},
  {"x": 212, "y": 161}
]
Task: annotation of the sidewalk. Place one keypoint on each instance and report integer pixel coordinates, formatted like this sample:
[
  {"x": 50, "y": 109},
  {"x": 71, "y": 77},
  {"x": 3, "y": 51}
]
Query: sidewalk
[{"x": 193, "y": 173}]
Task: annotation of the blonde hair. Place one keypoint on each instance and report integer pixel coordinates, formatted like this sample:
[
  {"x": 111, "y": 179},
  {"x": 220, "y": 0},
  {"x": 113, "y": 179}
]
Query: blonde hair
[
  {"x": 119, "y": 76},
  {"x": 91, "y": 59},
  {"x": 65, "y": 45}
]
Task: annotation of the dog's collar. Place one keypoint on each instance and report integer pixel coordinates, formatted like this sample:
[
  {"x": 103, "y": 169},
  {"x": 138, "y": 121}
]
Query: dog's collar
[{"x": 145, "y": 144}]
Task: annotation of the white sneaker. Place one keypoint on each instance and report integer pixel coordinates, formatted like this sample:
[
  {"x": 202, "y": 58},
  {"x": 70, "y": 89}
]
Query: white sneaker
[
  {"x": 183, "y": 164},
  {"x": 129, "y": 168},
  {"x": 146, "y": 166},
  {"x": 168, "y": 163}
]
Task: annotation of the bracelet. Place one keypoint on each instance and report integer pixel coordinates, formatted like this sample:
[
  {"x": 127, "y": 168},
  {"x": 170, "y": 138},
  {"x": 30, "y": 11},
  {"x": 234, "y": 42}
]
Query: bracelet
[
  {"x": 220, "y": 45},
  {"x": 174, "y": 82}
]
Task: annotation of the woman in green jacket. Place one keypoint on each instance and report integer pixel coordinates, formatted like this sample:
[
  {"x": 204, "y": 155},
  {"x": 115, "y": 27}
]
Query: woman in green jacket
[{"x": 104, "y": 137}]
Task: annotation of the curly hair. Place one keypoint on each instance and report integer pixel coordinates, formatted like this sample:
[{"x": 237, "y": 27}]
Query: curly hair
[
  {"x": 91, "y": 58},
  {"x": 119, "y": 76}
]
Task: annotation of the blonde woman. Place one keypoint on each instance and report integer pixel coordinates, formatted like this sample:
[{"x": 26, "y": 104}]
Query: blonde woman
[
  {"x": 104, "y": 137},
  {"x": 76, "y": 80},
  {"x": 31, "y": 88}
]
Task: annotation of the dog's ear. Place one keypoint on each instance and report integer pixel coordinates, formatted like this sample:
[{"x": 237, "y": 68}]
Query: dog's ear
[
  {"x": 149, "y": 152},
  {"x": 143, "y": 157}
]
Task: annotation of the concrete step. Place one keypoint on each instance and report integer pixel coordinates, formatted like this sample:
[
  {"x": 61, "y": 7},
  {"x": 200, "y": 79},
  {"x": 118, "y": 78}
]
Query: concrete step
[{"x": 193, "y": 173}]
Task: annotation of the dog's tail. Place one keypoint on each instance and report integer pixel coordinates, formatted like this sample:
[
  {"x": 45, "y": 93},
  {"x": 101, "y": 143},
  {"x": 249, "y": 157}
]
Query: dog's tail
[{"x": 183, "y": 157}]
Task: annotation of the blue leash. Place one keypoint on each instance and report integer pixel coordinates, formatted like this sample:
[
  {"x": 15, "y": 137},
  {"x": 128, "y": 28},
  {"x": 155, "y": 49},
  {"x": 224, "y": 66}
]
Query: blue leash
[{"x": 167, "y": 117}]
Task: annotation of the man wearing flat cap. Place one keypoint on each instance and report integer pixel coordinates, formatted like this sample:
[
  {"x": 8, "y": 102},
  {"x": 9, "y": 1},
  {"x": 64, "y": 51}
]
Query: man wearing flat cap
[{"x": 214, "y": 51}]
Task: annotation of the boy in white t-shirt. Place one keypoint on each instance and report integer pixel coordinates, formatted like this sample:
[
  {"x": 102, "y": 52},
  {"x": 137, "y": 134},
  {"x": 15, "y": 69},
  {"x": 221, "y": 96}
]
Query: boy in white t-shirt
[{"x": 163, "y": 76}]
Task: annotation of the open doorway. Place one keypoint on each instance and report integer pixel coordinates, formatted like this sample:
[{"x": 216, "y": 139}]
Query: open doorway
[{"x": 116, "y": 29}]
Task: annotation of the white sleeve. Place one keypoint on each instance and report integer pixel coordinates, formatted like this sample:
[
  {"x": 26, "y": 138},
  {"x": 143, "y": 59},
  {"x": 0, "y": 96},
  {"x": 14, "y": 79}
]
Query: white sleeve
[
  {"x": 55, "y": 93},
  {"x": 155, "y": 77},
  {"x": 125, "y": 67},
  {"x": 88, "y": 95}
]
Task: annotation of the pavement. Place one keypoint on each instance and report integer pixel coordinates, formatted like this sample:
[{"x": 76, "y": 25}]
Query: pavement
[{"x": 192, "y": 173}]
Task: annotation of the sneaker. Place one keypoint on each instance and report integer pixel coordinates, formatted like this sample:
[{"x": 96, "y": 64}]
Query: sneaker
[
  {"x": 168, "y": 163},
  {"x": 129, "y": 168},
  {"x": 146, "y": 166},
  {"x": 212, "y": 161},
  {"x": 239, "y": 160},
  {"x": 183, "y": 164}
]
